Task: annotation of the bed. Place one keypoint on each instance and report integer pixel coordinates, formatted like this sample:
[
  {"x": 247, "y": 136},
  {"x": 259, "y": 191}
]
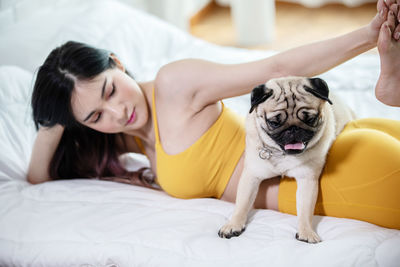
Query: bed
[{"x": 84, "y": 222}]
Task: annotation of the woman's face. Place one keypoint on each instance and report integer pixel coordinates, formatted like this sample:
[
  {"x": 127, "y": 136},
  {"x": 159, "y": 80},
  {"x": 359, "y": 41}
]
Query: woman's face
[{"x": 112, "y": 102}]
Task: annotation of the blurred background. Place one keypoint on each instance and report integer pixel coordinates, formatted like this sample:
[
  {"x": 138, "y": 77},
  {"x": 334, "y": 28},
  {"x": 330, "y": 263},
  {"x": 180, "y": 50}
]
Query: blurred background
[
  {"x": 295, "y": 23},
  {"x": 263, "y": 24},
  {"x": 252, "y": 24}
]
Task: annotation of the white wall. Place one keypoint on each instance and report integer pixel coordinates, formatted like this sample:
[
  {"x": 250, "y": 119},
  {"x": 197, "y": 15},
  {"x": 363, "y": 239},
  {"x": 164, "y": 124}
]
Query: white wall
[{"x": 177, "y": 12}]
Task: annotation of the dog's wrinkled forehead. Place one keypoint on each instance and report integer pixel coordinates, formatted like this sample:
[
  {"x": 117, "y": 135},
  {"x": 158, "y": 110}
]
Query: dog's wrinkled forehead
[{"x": 290, "y": 93}]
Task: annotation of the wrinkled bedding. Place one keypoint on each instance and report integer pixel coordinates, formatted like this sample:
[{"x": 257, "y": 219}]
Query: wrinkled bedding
[{"x": 98, "y": 223}]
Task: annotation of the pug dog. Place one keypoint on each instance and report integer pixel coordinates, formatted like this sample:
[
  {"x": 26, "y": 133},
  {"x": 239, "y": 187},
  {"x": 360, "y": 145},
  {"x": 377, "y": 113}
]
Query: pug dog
[{"x": 290, "y": 127}]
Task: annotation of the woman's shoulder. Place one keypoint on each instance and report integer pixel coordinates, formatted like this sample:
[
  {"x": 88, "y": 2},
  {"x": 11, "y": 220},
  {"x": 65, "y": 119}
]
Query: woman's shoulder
[
  {"x": 174, "y": 75},
  {"x": 202, "y": 83},
  {"x": 180, "y": 82}
]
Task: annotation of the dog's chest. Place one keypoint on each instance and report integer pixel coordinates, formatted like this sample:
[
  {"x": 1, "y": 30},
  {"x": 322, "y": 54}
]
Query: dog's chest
[
  {"x": 281, "y": 165},
  {"x": 270, "y": 165}
]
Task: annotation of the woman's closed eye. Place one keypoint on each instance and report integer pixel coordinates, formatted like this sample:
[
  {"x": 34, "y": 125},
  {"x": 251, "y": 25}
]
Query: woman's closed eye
[
  {"x": 98, "y": 117},
  {"x": 112, "y": 91},
  {"x": 110, "y": 95}
]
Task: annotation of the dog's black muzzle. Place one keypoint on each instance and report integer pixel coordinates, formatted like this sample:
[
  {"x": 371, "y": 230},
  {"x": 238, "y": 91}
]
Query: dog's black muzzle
[{"x": 294, "y": 139}]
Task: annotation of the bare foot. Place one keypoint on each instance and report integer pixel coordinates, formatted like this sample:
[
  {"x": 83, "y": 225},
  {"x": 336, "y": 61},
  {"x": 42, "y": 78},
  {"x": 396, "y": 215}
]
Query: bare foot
[{"x": 387, "y": 89}]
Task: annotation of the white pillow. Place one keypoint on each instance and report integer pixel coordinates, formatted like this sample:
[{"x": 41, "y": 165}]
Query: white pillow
[{"x": 17, "y": 131}]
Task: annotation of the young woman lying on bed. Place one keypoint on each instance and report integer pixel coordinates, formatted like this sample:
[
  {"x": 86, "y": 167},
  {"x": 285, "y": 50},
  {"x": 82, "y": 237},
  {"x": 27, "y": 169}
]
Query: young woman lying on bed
[{"x": 91, "y": 111}]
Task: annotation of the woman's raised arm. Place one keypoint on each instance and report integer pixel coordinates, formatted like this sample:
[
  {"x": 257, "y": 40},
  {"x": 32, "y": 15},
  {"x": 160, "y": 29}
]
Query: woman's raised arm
[
  {"x": 206, "y": 82},
  {"x": 45, "y": 145}
]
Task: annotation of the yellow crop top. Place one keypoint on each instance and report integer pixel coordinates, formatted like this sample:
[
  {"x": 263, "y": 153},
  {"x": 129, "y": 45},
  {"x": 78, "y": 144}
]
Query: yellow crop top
[{"x": 203, "y": 169}]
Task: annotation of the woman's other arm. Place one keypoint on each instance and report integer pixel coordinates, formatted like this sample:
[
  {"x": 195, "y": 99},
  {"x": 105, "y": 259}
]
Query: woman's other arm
[{"x": 45, "y": 145}]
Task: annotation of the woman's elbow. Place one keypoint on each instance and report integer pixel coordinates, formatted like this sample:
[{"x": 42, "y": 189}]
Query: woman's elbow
[{"x": 35, "y": 179}]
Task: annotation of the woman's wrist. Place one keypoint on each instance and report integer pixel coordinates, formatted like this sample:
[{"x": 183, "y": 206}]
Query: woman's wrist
[
  {"x": 371, "y": 35},
  {"x": 360, "y": 41},
  {"x": 371, "y": 38}
]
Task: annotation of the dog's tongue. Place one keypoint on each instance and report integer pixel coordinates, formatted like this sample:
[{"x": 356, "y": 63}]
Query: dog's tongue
[{"x": 296, "y": 146}]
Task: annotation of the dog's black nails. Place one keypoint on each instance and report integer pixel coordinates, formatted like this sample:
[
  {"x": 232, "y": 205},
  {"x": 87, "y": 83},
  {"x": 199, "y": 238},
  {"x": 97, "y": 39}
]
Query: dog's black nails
[
  {"x": 221, "y": 234},
  {"x": 304, "y": 240},
  {"x": 237, "y": 233}
]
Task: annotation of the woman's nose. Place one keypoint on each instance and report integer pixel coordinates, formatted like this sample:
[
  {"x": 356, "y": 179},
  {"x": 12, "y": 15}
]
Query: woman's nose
[{"x": 117, "y": 111}]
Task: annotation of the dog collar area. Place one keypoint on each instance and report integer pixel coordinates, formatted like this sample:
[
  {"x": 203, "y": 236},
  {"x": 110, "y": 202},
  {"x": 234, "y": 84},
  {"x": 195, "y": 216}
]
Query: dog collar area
[{"x": 267, "y": 153}]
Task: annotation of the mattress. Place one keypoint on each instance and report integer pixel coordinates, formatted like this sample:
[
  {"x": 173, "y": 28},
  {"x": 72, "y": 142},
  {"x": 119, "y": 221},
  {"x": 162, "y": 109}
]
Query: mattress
[{"x": 84, "y": 222}]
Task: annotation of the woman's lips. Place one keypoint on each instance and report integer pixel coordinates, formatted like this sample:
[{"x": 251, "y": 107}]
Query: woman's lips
[{"x": 132, "y": 118}]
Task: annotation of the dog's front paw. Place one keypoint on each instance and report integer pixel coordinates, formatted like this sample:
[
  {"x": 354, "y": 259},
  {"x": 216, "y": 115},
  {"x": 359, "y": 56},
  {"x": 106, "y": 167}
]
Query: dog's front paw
[
  {"x": 231, "y": 229},
  {"x": 308, "y": 236}
]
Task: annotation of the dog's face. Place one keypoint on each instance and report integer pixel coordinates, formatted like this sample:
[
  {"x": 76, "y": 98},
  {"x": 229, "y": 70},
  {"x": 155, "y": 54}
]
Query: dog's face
[{"x": 290, "y": 112}]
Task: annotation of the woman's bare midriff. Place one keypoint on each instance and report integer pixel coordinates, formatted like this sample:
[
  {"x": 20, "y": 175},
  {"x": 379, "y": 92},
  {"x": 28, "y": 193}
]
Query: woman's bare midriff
[{"x": 267, "y": 197}]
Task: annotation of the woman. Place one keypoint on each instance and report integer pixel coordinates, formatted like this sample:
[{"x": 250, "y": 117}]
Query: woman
[{"x": 92, "y": 110}]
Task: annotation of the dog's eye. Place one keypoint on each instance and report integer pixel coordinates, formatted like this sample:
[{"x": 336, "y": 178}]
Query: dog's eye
[
  {"x": 273, "y": 124},
  {"x": 311, "y": 120}
]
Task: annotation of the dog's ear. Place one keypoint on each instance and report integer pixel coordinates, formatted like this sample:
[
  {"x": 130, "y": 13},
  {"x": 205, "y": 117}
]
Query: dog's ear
[
  {"x": 259, "y": 95},
  {"x": 319, "y": 89}
]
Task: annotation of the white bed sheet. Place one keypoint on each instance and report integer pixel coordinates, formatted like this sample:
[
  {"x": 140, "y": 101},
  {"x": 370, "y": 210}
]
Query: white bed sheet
[{"x": 98, "y": 223}]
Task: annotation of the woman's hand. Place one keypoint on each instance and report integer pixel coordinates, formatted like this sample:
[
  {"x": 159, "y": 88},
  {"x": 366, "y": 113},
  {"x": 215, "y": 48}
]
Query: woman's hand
[
  {"x": 374, "y": 26},
  {"x": 45, "y": 145}
]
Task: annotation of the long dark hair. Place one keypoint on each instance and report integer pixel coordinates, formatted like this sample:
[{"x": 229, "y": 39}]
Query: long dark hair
[{"x": 82, "y": 151}]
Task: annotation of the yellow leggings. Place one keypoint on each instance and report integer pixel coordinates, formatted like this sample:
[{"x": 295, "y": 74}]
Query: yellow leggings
[{"x": 361, "y": 178}]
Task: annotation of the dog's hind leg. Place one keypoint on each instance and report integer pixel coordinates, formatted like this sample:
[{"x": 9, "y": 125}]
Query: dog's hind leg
[{"x": 246, "y": 194}]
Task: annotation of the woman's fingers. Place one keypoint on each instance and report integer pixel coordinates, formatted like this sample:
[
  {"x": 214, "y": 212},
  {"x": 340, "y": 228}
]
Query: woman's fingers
[
  {"x": 391, "y": 21},
  {"x": 382, "y": 8},
  {"x": 395, "y": 9},
  {"x": 396, "y": 34},
  {"x": 389, "y": 2},
  {"x": 398, "y": 9}
]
